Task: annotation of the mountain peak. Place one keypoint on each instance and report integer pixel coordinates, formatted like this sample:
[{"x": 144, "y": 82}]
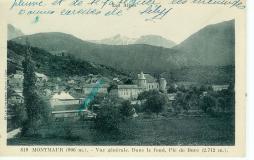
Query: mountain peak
[
  {"x": 13, "y": 32},
  {"x": 155, "y": 40},
  {"x": 117, "y": 39}
]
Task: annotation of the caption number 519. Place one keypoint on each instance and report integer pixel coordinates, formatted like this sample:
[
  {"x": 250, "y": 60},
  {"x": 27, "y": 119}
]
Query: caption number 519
[{"x": 24, "y": 149}]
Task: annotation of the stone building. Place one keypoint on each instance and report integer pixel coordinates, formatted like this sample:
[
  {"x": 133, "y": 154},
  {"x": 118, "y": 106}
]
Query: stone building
[
  {"x": 127, "y": 91},
  {"x": 64, "y": 106},
  {"x": 63, "y": 98},
  {"x": 219, "y": 87},
  {"x": 100, "y": 89},
  {"x": 144, "y": 82}
]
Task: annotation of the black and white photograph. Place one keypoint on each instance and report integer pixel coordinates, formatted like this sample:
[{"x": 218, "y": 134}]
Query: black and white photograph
[{"x": 124, "y": 73}]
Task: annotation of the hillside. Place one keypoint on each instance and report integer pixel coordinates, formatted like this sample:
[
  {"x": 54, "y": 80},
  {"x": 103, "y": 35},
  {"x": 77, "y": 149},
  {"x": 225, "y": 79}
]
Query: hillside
[
  {"x": 213, "y": 45},
  {"x": 55, "y": 65},
  {"x": 124, "y": 57},
  {"x": 202, "y": 75}
]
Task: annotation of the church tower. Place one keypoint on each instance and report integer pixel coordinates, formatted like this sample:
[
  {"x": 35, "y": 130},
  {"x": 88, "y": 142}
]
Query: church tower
[{"x": 141, "y": 80}]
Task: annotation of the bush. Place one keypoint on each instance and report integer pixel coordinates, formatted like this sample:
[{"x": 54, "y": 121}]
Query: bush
[
  {"x": 155, "y": 103},
  {"x": 172, "y": 89},
  {"x": 207, "y": 104},
  {"x": 126, "y": 109},
  {"x": 108, "y": 118},
  {"x": 68, "y": 132},
  {"x": 19, "y": 115},
  {"x": 146, "y": 94},
  {"x": 42, "y": 117},
  {"x": 139, "y": 108}
]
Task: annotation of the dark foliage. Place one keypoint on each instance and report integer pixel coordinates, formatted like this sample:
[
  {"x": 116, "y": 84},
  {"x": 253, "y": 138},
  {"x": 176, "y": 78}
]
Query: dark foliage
[
  {"x": 207, "y": 103},
  {"x": 108, "y": 118},
  {"x": 128, "y": 81},
  {"x": 126, "y": 109},
  {"x": 171, "y": 89},
  {"x": 36, "y": 108},
  {"x": 155, "y": 103},
  {"x": 60, "y": 66},
  {"x": 147, "y": 94},
  {"x": 19, "y": 115}
]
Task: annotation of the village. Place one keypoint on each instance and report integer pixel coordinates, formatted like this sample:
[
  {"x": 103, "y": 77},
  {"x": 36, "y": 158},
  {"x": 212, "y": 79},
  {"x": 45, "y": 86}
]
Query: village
[{"x": 67, "y": 95}]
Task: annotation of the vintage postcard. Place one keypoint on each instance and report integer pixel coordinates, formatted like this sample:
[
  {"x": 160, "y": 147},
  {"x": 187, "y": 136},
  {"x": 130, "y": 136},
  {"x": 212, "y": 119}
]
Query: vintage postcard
[{"x": 122, "y": 77}]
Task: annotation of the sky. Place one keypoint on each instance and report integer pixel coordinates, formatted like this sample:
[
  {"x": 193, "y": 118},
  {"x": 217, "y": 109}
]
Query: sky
[{"x": 179, "y": 24}]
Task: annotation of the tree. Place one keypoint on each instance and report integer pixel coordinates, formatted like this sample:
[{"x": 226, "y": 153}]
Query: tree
[
  {"x": 155, "y": 103},
  {"x": 230, "y": 100},
  {"x": 207, "y": 103},
  {"x": 202, "y": 88},
  {"x": 37, "y": 111},
  {"x": 181, "y": 88},
  {"x": 112, "y": 86},
  {"x": 96, "y": 102},
  {"x": 181, "y": 102},
  {"x": 187, "y": 101},
  {"x": 128, "y": 81},
  {"x": 222, "y": 103},
  {"x": 108, "y": 117},
  {"x": 147, "y": 94},
  {"x": 209, "y": 88},
  {"x": 172, "y": 89},
  {"x": 126, "y": 109},
  {"x": 19, "y": 114}
]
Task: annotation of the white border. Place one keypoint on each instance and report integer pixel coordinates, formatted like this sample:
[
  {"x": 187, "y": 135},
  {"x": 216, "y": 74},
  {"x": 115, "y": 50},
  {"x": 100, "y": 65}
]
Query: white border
[{"x": 249, "y": 111}]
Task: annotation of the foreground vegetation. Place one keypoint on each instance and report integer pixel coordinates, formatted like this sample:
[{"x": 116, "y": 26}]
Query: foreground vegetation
[{"x": 144, "y": 130}]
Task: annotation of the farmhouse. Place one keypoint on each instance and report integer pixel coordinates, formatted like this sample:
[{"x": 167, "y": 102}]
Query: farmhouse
[
  {"x": 41, "y": 77},
  {"x": 63, "y": 98},
  {"x": 101, "y": 89},
  {"x": 74, "y": 111},
  {"x": 66, "y": 106},
  {"x": 219, "y": 87}
]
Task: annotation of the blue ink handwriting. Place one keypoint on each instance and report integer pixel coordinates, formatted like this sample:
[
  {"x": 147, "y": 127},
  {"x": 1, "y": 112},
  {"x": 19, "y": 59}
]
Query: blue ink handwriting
[
  {"x": 36, "y": 20},
  {"x": 22, "y": 3},
  {"x": 92, "y": 94},
  {"x": 156, "y": 12}
]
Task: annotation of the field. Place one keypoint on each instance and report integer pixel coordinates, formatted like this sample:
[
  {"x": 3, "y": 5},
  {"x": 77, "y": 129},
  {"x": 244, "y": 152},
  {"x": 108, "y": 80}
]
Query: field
[{"x": 177, "y": 130}]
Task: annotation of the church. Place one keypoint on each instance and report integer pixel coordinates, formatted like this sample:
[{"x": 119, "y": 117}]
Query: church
[{"x": 144, "y": 82}]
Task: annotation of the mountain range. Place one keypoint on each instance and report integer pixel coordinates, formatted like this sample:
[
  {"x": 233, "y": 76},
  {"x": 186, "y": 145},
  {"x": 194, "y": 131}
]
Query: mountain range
[
  {"x": 211, "y": 46},
  {"x": 125, "y": 57},
  {"x": 115, "y": 40},
  {"x": 153, "y": 40}
]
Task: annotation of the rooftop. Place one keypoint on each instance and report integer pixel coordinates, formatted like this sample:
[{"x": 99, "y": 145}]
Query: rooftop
[
  {"x": 40, "y": 75},
  {"x": 62, "y": 95},
  {"x": 96, "y": 85},
  {"x": 148, "y": 77},
  {"x": 128, "y": 87}
]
